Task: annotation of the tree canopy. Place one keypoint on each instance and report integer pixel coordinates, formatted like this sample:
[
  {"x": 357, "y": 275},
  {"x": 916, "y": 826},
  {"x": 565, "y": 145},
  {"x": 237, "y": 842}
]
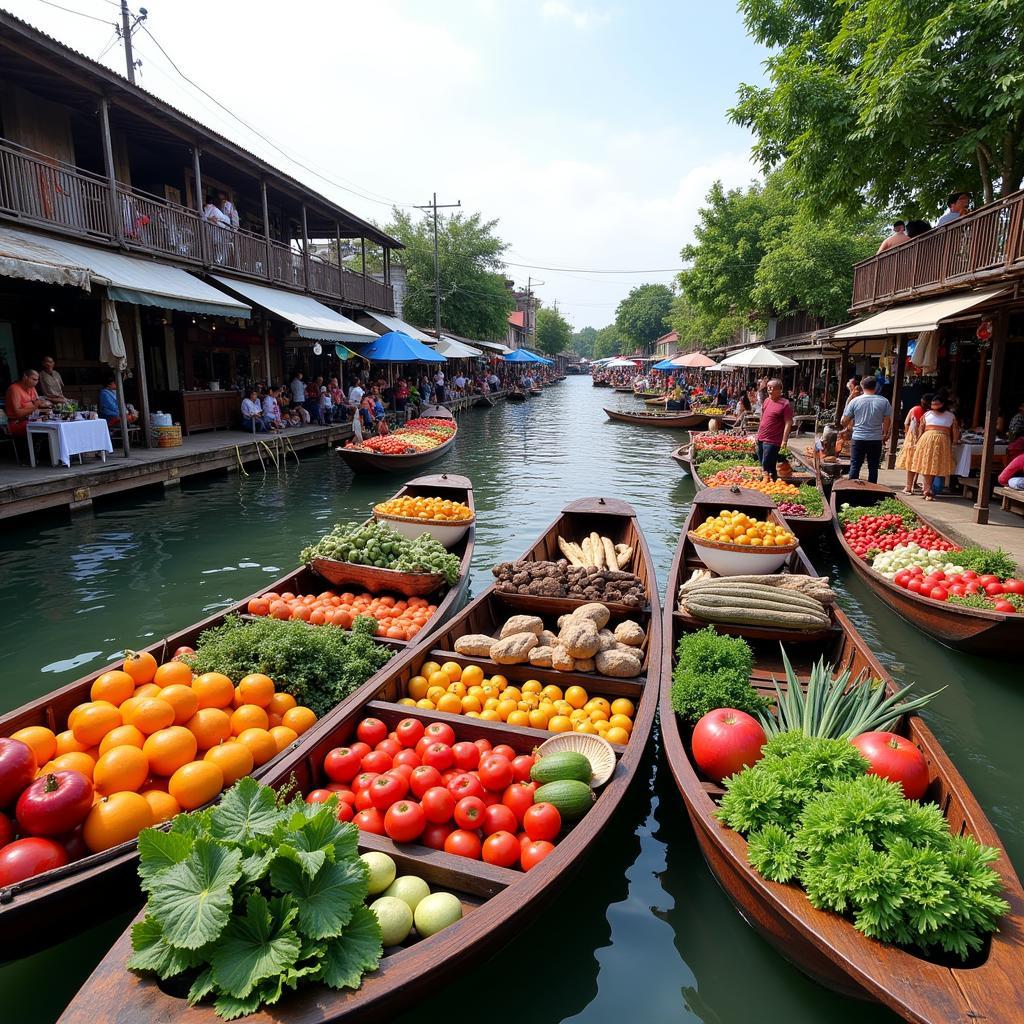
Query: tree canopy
[
  {"x": 608, "y": 342},
  {"x": 582, "y": 342},
  {"x": 900, "y": 103},
  {"x": 553, "y": 331},
  {"x": 640, "y": 316}
]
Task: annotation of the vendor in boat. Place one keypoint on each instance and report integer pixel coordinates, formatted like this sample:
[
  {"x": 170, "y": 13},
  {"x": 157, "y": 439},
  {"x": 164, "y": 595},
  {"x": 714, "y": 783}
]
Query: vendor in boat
[
  {"x": 675, "y": 398},
  {"x": 773, "y": 430},
  {"x": 744, "y": 408},
  {"x": 933, "y": 453}
]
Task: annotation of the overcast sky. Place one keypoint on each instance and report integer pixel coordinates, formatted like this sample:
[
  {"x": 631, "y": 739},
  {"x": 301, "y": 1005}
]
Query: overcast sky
[{"x": 590, "y": 128}]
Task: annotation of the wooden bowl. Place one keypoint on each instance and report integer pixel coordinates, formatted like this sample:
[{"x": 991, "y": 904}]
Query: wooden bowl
[
  {"x": 446, "y": 533},
  {"x": 369, "y": 577},
  {"x": 738, "y": 559}
]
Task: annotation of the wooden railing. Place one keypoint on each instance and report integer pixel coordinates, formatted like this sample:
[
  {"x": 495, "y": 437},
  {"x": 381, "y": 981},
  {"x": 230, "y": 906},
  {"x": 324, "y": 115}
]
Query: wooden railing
[
  {"x": 37, "y": 190},
  {"x": 984, "y": 246}
]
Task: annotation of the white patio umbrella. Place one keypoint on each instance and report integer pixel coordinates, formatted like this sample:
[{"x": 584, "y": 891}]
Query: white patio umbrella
[
  {"x": 620, "y": 363},
  {"x": 756, "y": 358},
  {"x": 114, "y": 353}
]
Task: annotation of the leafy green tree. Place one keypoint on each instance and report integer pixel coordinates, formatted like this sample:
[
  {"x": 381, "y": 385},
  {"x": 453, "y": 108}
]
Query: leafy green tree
[
  {"x": 582, "y": 342},
  {"x": 608, "y": 342},
  {"x": 640, "y": 316},
  {"x": 554, "y": 333},
  {"x": 693, "y": 327},
  {"x": 900, "y": 102}
]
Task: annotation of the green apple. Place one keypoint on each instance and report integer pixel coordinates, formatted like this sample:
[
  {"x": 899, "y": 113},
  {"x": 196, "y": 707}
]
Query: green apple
[
  {"x": 394, "y": 918},
  {"x": 382, "y": 871},
  {"x": 437, "y": 911},
  {"x": 409, "y": 888}
]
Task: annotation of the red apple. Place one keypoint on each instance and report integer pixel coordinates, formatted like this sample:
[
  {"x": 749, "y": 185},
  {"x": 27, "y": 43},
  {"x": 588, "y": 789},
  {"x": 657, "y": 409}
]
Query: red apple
[{"x": 726, "y": 740}]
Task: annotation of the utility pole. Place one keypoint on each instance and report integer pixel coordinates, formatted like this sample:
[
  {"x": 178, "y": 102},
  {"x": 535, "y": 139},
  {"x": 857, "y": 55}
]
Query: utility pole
[
  {"x": 126, "y": 35},
  {"x": 437, "y": 267}
]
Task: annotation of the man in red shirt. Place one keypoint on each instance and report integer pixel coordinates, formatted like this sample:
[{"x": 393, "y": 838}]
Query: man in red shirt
[
  {"x": 21, "y": 400},
  {"x": 773, "y": 432}
]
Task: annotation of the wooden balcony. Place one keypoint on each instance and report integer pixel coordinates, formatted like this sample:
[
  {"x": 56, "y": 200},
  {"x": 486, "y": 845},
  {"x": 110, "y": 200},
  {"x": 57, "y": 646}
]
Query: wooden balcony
[
  {"x": 984, "y": 247},
  {"x": 39, "y": 191}
]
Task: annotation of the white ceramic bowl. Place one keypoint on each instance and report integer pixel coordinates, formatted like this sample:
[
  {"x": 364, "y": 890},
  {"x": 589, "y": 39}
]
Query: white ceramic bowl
[
  {"x": 448, "y": 534},
  {"x": 736, "y": 560}
]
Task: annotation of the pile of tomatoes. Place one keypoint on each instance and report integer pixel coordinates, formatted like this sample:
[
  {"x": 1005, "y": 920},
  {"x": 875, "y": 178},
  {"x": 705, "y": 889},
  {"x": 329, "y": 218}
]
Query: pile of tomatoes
[
  {"x": 419, "y": 784},
  {"x": 940, "y": 586},
  {"x": 398, "y": 618},
  {"x": 883, "y": 533},
  {"x": 723, "y": 442}
]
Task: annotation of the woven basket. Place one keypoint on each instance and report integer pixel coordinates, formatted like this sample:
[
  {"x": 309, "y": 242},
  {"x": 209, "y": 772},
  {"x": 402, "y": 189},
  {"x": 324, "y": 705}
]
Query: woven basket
[
  {"x": 596, "y": 749},
  {"x": 167, "y": 437}
]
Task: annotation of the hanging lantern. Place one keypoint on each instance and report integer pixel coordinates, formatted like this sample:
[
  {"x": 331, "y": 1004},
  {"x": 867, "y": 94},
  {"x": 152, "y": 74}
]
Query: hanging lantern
[
  {"x": 317, "y": 348},
  {"x": 984, "y": 331}
]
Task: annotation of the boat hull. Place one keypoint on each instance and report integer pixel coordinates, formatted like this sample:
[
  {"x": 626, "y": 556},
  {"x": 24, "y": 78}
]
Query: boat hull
[
  {"x": 374, "y": 462},
  {"x": 680, "y": 421}
]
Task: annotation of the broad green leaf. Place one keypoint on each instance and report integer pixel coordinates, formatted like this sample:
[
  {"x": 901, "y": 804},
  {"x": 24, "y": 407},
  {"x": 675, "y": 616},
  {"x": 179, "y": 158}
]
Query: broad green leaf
[
  {"x": 201, "y": 987},
  {"x": 159, "y": 850},
  {"x": 326, "y": 901},
  {"x": 230, "y": 1008},
  {"x": 256, "y": 865},
  {"x": 262, "y": 944},
  {"x": 323, "y": 830},
  {"x": 310, "y": 861},
  {"x": 193, "y": 900},
  {"x": 195, "y": 824},
  {"x": 354, "y": 953},
  {"x": 247, "y": 809},
  {"x": 152, "y": 952}
]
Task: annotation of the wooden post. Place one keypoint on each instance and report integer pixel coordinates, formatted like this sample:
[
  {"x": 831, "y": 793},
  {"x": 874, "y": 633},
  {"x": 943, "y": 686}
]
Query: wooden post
[
  {"x": 977, "y": 413},
  {"x": 362, "y": 243},
  {"x": 387, "y": 266},
  {"x": 116, "y": 227},
  {"x": 341, "y": 272},
  {"x": 266, "y": 347},
  {"x": 897, "y": 387},
  {"x": 266, "y": 236},
  {"x": 999, "y": 333},
  {"x": 305, "y": 250},
  {"x": 198, "y": 178},
  {"x": 140, "y": 365},
  {"x": 844, "y": 362}
]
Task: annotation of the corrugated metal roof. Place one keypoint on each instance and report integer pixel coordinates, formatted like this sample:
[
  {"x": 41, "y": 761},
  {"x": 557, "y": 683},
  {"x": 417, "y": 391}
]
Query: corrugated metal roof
[{"x": 392, "y": 323}]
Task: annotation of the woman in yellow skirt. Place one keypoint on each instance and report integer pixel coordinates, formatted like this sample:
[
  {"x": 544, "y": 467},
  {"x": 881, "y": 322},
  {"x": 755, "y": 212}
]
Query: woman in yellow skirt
[
  {"x": 911, "y": 435},
  {"x": 933, "y": 453}
]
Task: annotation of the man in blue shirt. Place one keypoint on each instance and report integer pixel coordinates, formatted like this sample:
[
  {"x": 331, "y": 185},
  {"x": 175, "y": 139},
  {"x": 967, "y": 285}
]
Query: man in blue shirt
[
  {"x": 108, "y": 404},
  {"x": 871, "y": 416}
]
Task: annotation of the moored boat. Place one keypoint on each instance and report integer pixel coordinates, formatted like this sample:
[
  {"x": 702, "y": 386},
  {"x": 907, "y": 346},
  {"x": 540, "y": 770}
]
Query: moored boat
[
  {"x": 600, "y": 382},
  {"x": 681, "y": 420},
  {"x": 497, "y": 902},
  {"x": 515, "y": 395},
  {"x": 627, "y": 388},
  {"x": 825, "y": 945},
  {"x": 366, "y": 460},
  {"x": 648, "y": 395}
]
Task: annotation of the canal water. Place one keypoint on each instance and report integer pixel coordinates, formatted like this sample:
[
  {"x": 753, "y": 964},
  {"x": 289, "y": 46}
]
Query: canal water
[{"x": 642, "y": 930}]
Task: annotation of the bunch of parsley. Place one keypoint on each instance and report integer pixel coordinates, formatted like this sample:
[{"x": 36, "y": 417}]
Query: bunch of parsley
[{"x": 713, "y": 671}]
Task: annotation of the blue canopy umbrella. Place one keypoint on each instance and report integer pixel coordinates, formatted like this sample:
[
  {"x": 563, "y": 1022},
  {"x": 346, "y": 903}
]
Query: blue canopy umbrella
[
  {"x": 396, "y": 347},
  {"x": 665, "y": 364},
  {"x": 522, "y": 355},
  {"x": 542, "y": 359}
]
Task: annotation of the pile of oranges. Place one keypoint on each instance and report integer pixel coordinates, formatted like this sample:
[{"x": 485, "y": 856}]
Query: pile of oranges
[
  {"x": 154, "y": 740},
  {"x": 753, "y": 478},
  {"x": 398, "y": 618},
  {"x": 467, "y": 691},
  {"x": 440, "y": 510},
  {"x": 739, "y": 528}
]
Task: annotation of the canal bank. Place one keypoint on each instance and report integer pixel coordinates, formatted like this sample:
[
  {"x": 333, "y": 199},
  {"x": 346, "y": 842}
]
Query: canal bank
[{"x": 647, "y": 909}]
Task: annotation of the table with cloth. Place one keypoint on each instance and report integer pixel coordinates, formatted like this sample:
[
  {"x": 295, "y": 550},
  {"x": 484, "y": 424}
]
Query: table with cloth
[
  {"x": 71, "y": 437},
  {"x": 967, "y": 456}
]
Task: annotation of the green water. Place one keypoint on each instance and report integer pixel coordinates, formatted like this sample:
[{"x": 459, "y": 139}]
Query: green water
[{"x": 642, "y": 929}]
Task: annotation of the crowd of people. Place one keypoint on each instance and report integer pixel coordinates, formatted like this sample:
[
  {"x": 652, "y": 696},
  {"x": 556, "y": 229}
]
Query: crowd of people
[{"x": 958, "y": 205}]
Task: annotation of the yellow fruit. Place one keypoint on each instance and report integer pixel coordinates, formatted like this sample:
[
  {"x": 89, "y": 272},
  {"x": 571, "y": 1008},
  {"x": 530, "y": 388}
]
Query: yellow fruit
[
  {"x": 505, "y": 708},
  {"x": 408, "y": 702},
  {"x": 162, "y": 805},
  {"x": 249, "y": 716},
  {"x": 621, "y": 722},
  {"x": 439, "y": 678},
  {"x": 299, "y": 718},
  {"x": 41, "y": 740},
  {"x": 451, "y": 703},
  {"x": 116, "y": 819},
  {"x": 616, "y": 735},
  {"x": 94, "y": 721},
  {"x": 168, "y": 749},
  {"x": 472, "y": 714},
  {"x": 552, "y": 692},
  {"x": 151, "y": 714},
  {"x": 518, "y": 718},
  {"x": 538, "y": 718},
  {"x": 67, "y": 744},
  {"x": 499, "y": 681},
  {"x": 598, "y": 704},
  {"x": 417, "y": 688},
  {"x": 123, "y": 735},
  {"x": 260, "y": 742},
  {"x": 435, "y": 693},
  {"x": 453, "y": 670},
  {"x": 426, "y": 705},
  {"x": 587, "y": 727},
  {"x": 471, "y": 704},
  {"x": 459, "y": 689},
  {"x": 195, "y": 784},
  {"x": 121, "y": 770},
  {"x": 560, "y": 723},
  {"x": 622, "y": 706},
  {"x": 579, "y": 715},
  {"x": 234, "y": 759},
  {"x": 491, "y": 704},
  {"x": 576, "y": 696},
  {"x": 532, "y": 686},
  {"x": 283, "y": 736},
  {"x": 428, "y": 668},
  {"x": 490, "y": 716},
  {"x": 472, "y": 675}
]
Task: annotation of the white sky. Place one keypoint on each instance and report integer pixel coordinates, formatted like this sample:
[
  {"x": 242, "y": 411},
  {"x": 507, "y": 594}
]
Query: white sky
[{"x": 592, "y": 129}]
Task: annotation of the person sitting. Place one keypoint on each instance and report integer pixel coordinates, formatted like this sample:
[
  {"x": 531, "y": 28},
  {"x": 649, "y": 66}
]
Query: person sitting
[
  {"x": 252, "y": 413},
  {"x": 272, "y": 411},
  {"x": 51, "y": 384},
  {"x": 401, "y": 394},
  {"x": 1013, "y": 474},
  {"x": 312, "y": 401},
  {"x": 109, "y": 408},
  {"x": 366, "y": 413},
  {"x": 21, "y": 401},
  {"x": 378, "y": 405}
]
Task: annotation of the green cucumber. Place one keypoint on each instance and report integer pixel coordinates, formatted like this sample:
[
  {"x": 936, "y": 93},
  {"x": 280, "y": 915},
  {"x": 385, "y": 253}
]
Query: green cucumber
[
  {"x": 571, "y": 797},
  {"x": 565, "y": 764}
]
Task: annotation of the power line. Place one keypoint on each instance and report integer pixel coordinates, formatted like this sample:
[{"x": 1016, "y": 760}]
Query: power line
[{"x": 71, "y": 10}]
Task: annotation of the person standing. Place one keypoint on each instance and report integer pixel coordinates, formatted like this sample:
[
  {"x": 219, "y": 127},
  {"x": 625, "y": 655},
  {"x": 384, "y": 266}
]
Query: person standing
[
  {"x": 958, "y": 204},
  {"x": 933, "y": 454},
  {"x": 911, "y": 435},
  {"x": 355, "y": 394},
  {"x": 871, "y": 417},
  {"x": 773, "y": 430},
  {"x": 898, "y": 237},
  {"x": 297, "y": 388}
]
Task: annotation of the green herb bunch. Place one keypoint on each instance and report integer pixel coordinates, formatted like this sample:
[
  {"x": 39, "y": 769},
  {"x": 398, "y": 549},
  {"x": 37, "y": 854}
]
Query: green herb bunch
[
  {"x": 710, "y": 466},
  {"x": 255, "y": 896},
  {"x": 971, "y": 601},
  {"x": 713, "y": 671},
  {"x": 318, "y": 665},
  {"x": 860, "y": 848},
  {"x": 887, "y": 506},
  {"x": 985, "y": 562},
  {"x": 810, "y": 498}
]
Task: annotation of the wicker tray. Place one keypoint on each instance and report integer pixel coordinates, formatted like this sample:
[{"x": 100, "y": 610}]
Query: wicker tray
[{"x": 411, "y": 584}]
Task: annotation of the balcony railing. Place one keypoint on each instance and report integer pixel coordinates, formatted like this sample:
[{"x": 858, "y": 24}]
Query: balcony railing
[
  {"x": 987, "y": 245},
  {"x": 37, "y": 190}
]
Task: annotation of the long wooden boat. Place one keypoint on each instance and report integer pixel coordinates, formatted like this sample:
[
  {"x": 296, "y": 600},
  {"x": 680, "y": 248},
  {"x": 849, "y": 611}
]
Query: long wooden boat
[
  {"x": 39, "y": 911},
  {"x": 824, "y": 945},
  {"x": 484, "y": 402},
  {"x": 683, "y": 456},
  {"x": 599, "y": 383},
  {"x": 660, "y": 400},
  {"x": 536, "y": 391},
  {"x": 515, "y": 395},
  {"x": 497, "y": 902},
  {"x": 681, "y": 420},
  {"x": 646, "y": 395},
  {"x": 976, "y": 630},
  {"x": 375, "y": 462},
  {"x": 627, "y": 388}
]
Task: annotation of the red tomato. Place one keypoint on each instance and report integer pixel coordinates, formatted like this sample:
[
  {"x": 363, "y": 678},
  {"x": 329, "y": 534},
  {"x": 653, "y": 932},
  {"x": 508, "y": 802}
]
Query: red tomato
[
  {"x": 422, "y": 779},
  {"x": 533, "y": 853},
  {"x": 422, "y": 743},
  {"x": 1004, "y": 606},
  {"x": 438, "y": 805},
  {"x": 439, "y": 756},
  {"x": 958, "y": 590},
  {"x": 895, "y": 758},
  {"x": 484, "y": 746},
  {"x": 345, "y": 796},
  {"x": 464, "y": 785},
  {"x": 346, "y": 812},
  {"x": 364, "y": 799},
  {"x": 469, "y": 812},
  {"x": 496, "y": 772},
  {"x": 994, "y": 588},
  {"x": 521, "y": 767},
  {"x": 386, "y": 790},
  {"x": 360, "y": 748},
  {"x": 467, "y": 756},
  {"x": 180, "y": 652},
  {"x": 901, "y": 578},
  {"x": 460, "y": 842},
  {"x": 987, "y": 579},
  {"x": 440, "y": 732},
  {"x": 726, "y": 740},
  {"x": 25, "y": 858},
  {"x": 542, "y": 821},
  {"x": 435, "y": 834},
  {"x": 499, "y": 818},
  {"x": 501, "y": 849},
  {"x": 17, "y": 769},
  {"x": 318, "y": 796},
  {"x": 970, "y": 574},
  {"x": 505, "y": 751},
  {"x": 377, "y": 761},
  {"x": 518, "y": 797},
  {"x": 524, "y": 840},
  {"x": 914, "y": 585},
  {"x": 409, "y": 731},
  {"x": 342, "y": 764},
  {"x": 974, "y": 587},
  {"x": 6, "y": 830},
  {"x": 364, "y": 780},
  {"x": 407, "y": 756},
  {"x": 54, "y": 804},
  {"x": 390, "y": 747},
  {"x": 490, "y": 797},
  {"x": 370, "y": 820},
  {"x": 1013, "y": 586},
  {"x": 938, "y": 593},
  {"x": 405, "y": 770},
  {"x": 371, "y": 731},
  {"x": 405, "y": 821}
]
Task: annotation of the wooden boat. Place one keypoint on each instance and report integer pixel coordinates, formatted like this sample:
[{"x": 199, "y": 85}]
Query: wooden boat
[
  {"x": 824, "y": 945},
  {"x": 484, "y": 402},
  {"x": 976, "y": 630},
  {"x": 534, "y": 391},
  {"x": 681, "y": 420},
  {"x": 660, "y": 400},
  {"x": 598, "y": 383},
  {"x": 39, "y": 911},
  {"x": 683, "y": 455},
  {"x": 628, "y": 388},
  {"x": 831, "y": 467},
  {"x": 497, "y": 902},
  {"x": 375, "y": 462},
  {"x": 515, "y": 395},
  {"x": 648, "y": 395}
]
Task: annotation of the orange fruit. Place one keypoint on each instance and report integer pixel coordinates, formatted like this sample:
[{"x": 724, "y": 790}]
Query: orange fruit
[
  {"x": 576, "y": 696},
  {"x": 428, "y": 668},
  {"x": 451, "y": 703},
  {"x": 162, "y": 805},
  {"x": 116, "y": 819},
  {"x": 560, "y": 723},
  {"x": 598, "y": 704},
  {"x": 210, "y": 726},
  {"x": 93, "y": 722},
  {"x": 505, "y": 708},
  {"x": 621, "y": 722},
  {"x": 66, "y": 744},
  {"x": 273, "y": 720},
  {"x": 622, "y": 706},
  {"x": 417, "y": 688},
  {"x": 122, "y": 736},
  {"x": 182, "y": 698},
  {"x": 234, "y": 759},
  {"x": 532, "y": 686},
  {"x": 195, "y": 784},
  {"x": 147, "y": 690},
  {"x": 151, "y": 714},
  {"x": 41, "y": 740},
  {"x": 616, "y": 735},
  {"x": 126, "y": 706},
  {"x": 490, "y": 715},
  {"x": 471, "y": 703},
  {"x": 425, "y": 705},
  {"x": 499, "y": 681},
  {"x": 115, "y": 686},
  {"x": 459, "y": 689},
  {"x": 453, "y": 670},
  {"x": 439, "y": 678},
  {"x": 249, "y": 716},
  {"x": 472, "y": 675},
  {"x": 78, "y": 707},
  {"x": 256, "y": 689},
  {"x": 299, "y": 718},
  {"x": 120, "y": 770},
  {"x": 260, "y": 742},
  {"x": 173, "y": 673},
  {"x": 280, "y": 703},
  {"x": 518, "y": 718},
  {"x": 283, "y": 736},
  {"x": 168, "y": 749},
  {"x": 140, "y": 665},
  {"x": 538, "y": 718},
  {"x": 214, "y": 690},
  {"x": 74, "y": 761}
]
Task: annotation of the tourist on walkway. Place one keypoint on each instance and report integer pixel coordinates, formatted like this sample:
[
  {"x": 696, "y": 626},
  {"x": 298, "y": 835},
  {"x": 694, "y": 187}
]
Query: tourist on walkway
[
  {"x": 297, "y": 387},
  {"x": 957, "y": 205},
  {"x": 272, "y": 410},
  {"x": 773, "y": 431},
  {"x": 933, "y": 454},
  {"x": 21, "y": 401},
  {"x": 1013, "y": 474},
  {"x": 871, "y": 417},
  {"x": 51, "y": 384},
  {"x": 252, "y": 413},
  {"x": 355, "y": 394},
  {"x": 898, "y": 237},
  {"x": 911, "y": 435}
]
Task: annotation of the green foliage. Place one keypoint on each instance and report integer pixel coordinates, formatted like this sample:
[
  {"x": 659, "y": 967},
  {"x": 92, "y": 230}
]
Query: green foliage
[
  {"x": 641, "y": 316},
  {"x": 226, "y": 894},
  {"x": 608, "y": 342},
  {"x": 582, "y": 342},
  {"x": 554, "y": 334},
  {"x": 860, "y": 848},
  {"x": 318, "y": 665},
  {"x": 986, "y": 562},
  {"x": 971, "y": 601},
  {"x": 713, "y": 671},
  {"x": 810, "y": 498},
  {"x": 711, "y": 462},
  {"x": 887, "y": 506}
]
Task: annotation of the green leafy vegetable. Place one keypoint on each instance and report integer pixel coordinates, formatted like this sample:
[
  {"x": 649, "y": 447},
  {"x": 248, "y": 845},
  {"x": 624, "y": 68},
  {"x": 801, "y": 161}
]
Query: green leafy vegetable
[
  {"x": 887, "y": 506},
  {"x": 971, "y": 601},
  {"x": 810, "y": 498},
  {"x": 713, "y": 671},
  {"x": 719, "y": 461},
  {"x": 985, "y": 562}
]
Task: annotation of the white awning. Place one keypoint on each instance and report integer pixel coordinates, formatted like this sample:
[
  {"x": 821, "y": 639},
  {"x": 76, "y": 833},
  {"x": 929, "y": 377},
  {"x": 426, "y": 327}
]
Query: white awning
[
  {"x": 140, "y": 281},
  {"x": 452, "y": 349},
  {"x": 312, "y": 319},
  {"x": 495, "y": 346},
  {"x": 392, "y": 323},
  {"x": 917, "y": 316}
]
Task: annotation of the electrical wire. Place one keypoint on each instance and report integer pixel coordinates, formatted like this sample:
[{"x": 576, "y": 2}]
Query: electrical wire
[{"x": 71, "y": 10}]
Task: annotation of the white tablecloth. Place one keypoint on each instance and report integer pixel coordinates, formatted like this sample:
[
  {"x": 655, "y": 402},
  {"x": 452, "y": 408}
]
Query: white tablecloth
[
  {"x": 963, "y": 453},
  {"x": 75, "y": 437}
]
